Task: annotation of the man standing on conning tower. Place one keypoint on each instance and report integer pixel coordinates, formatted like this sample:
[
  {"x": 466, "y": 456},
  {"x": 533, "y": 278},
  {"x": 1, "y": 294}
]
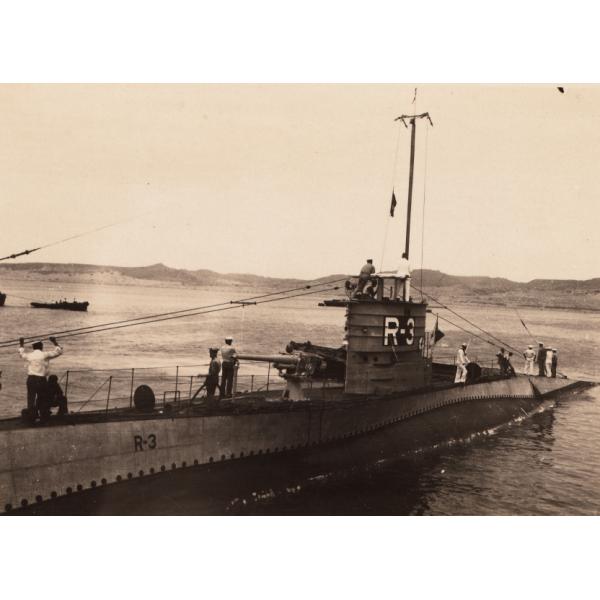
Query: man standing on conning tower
[{"x": 404, "y": 273}]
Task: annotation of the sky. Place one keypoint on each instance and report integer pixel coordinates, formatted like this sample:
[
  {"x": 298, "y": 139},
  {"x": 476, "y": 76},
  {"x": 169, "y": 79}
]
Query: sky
[{"x": 295, "y": 180}]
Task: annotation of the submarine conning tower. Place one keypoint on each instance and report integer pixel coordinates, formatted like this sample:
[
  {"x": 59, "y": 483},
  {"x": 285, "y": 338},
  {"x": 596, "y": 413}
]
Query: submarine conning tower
[{"x": 387, "y": 347}]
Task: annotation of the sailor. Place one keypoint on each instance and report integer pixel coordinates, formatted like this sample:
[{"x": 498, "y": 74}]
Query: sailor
[
  {"x": 502, "y": 361},
  {"x": 529, "y": 356},
  {"x": 364, "y": 277},
  {"x": 54, "y": 396},
  {"x": 540, "y": 358},
  {"x": 404, "y": 273},
  {"x": 229, "y": 358},
  {"x": 554, "y": 361},
  {"x": 214, "y": 368},
  {"x": 548, "y": 365},
  {"x": 211, "y": 381},
  {"x": 462, "y": 361},
  {"x": 510, "y": 370},
  {"x": 37, "y": 370}
]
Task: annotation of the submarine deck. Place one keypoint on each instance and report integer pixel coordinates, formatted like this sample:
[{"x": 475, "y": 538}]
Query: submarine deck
[{"x": 329, "y": 395}]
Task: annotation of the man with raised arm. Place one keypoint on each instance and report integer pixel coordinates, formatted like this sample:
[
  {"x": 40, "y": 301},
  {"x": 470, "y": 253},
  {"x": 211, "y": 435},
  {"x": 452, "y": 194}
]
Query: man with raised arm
[{"x": 38, "y": 364}]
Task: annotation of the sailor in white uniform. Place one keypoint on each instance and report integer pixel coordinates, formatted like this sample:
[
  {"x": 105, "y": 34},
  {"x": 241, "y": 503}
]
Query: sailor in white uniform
[
  {"x": 462, "y": 360},
  {"x": 229, "y": 361},
  {"x": 38, "y": 364},
  {"x": 529, "y": 356},
  {"x": 404, "y": 273}
]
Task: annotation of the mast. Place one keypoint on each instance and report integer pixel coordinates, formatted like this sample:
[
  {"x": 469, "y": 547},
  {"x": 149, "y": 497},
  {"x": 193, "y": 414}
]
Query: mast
[
  {"x": 413, "y": 123},
  {"x": 410, "y": 185}
]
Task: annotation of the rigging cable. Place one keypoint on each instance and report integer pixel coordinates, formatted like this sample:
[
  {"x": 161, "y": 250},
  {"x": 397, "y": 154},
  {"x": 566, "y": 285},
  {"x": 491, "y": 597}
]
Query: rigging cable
[
  {"x": 523, "y": 323},
  {"x": 265, "y": 298},
  {"x": 196, "y": 308},
  {"x": 504, "y": 344},
  {"x": 506, "y": 305},
  {"x": 466, "y": 330},
  {"x": 388, "y": 216},
  {"x": 73, "y": 237},
  {"x": 203, "y": 312}
]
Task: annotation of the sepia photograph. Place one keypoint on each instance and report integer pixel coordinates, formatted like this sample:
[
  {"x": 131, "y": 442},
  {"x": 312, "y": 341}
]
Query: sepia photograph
[{"x": 299, "y": 299}]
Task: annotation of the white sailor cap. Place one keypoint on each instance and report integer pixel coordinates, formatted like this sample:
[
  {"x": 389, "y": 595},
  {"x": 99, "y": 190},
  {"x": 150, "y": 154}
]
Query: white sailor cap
[
  {"x": 228, "y": 337},
  {"x": 530, "y": 346}
]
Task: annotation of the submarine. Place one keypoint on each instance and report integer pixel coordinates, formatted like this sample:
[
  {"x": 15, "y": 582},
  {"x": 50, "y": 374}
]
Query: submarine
[{"x": 333, "y": 402}]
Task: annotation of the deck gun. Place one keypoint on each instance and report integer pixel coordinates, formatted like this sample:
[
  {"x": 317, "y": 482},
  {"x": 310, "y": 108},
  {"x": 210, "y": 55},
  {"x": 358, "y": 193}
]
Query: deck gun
[{"x": 304, "y": 362}]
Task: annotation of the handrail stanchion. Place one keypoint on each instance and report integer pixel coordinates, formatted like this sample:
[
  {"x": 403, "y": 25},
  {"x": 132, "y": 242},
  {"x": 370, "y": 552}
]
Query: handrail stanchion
[
  {"x": 67, "y": 385},
  {"x": 191, "y": 386},
  {"x": 268, "y": 376},
  {"x": 108, "y": 394},
  {"x": 251, "y": 383},
  {"x": 176, "y": 381}
]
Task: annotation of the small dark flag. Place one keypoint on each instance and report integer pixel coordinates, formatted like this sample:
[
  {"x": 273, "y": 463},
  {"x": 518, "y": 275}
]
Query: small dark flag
[
  {"x": 393, "y": 204},
  {"x": 438, "y": 334}
]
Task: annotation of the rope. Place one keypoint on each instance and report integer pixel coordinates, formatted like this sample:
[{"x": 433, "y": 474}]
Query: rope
[
  {"x": 504, "y": 344},
  {"x": 474, "y": 291},
  {"x": 388, "y": 217},
  {"x": 385, "y": 235},
  {"x": 523, "y": 323},
  {"x": 114, "y": 326},
  {"x": 466, "y": 330},
  {"x": 65, "y": 332},
  {"x": 73, "y": 237}
]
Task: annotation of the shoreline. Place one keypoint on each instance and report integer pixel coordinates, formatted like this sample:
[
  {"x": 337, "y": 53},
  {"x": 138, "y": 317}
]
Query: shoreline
[{"x": 175, "y": 285}]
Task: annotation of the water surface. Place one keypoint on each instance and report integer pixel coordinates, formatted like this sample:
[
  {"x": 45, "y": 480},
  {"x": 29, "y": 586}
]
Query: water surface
[{"x": 547, "y": 464}]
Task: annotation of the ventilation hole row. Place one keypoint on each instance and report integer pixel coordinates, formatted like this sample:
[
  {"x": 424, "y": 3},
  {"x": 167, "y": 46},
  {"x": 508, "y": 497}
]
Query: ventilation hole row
[{"x": 93, "y": 484}]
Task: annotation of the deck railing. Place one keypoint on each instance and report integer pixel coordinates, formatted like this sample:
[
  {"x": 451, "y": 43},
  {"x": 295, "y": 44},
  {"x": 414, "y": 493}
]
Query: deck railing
[{"x": 102, "y": 389}]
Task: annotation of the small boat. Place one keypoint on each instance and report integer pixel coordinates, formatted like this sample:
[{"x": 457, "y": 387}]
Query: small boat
[
  {"x": 2, "y": 299},
  {"x": 62, "y": 305},
  {"x": 334, "y": 400},
  {"x": 338, "y": 302}
]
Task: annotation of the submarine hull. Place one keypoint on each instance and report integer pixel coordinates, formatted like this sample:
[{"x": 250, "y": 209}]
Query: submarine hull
[{"x": 70, "y": 468}]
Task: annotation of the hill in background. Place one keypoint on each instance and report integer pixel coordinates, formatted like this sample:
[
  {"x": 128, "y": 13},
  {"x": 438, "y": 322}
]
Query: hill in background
[{"x": 555, "y": 293}]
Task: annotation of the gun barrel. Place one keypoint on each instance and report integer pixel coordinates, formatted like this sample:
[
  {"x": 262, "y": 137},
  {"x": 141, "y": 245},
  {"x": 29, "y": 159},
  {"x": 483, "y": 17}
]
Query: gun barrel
[{"x": 287, "y": 359}]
